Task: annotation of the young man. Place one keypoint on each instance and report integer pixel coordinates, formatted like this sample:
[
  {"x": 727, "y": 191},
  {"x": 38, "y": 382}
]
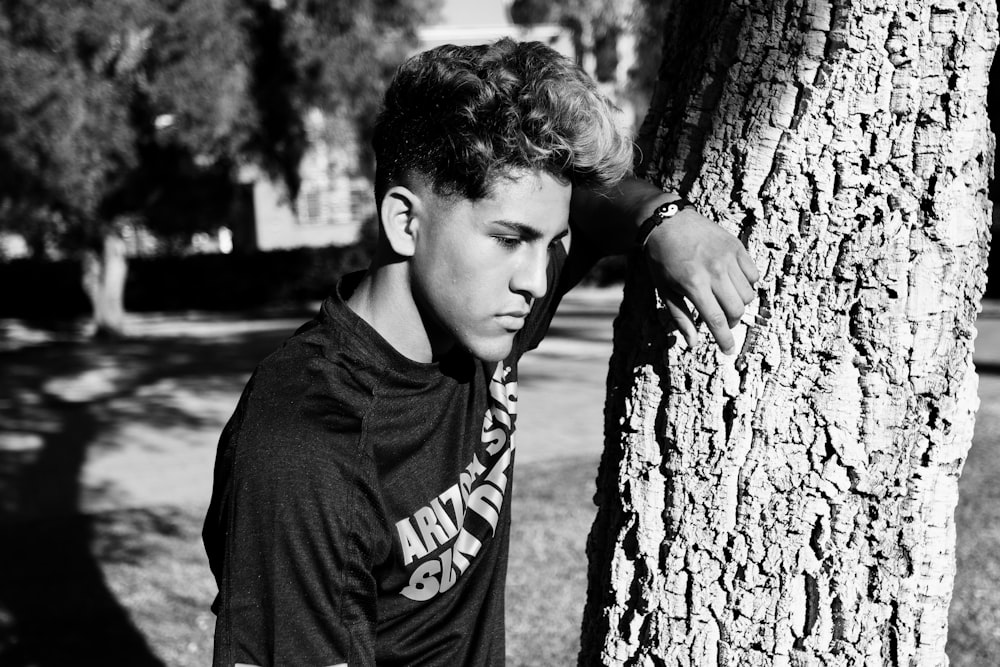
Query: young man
[{"x": 361, "y": 506}]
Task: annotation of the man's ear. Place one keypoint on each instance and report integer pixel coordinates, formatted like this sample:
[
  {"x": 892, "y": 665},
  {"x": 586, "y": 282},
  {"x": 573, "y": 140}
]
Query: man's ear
[{"x": 399, "y": 212}]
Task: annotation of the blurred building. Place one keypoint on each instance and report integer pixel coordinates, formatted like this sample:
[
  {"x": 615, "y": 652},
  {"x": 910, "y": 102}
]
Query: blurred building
[{"x": 332, "y": 201}]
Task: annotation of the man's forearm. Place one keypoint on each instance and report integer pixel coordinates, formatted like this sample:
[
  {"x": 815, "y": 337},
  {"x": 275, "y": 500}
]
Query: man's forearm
[{"x": 609, "y": 219}]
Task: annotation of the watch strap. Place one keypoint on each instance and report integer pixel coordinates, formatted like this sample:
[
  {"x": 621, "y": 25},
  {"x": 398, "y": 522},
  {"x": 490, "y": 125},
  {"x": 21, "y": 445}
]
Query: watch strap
[{"x": 662, "y": 212}]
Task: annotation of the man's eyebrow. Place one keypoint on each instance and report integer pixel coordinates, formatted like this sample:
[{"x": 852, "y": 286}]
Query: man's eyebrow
[{"x": 526, "y": 232}]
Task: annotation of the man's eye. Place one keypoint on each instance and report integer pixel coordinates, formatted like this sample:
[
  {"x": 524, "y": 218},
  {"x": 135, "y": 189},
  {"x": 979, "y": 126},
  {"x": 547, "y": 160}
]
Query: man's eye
[{"x": 509, "y": 242}]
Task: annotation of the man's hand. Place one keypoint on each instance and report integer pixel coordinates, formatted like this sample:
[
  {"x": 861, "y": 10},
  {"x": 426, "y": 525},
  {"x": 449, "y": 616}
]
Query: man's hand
[{"x": 690, "y": 256}]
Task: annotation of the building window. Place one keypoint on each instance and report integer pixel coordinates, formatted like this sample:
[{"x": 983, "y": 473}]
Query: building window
[{"x": 311, "y": 212}]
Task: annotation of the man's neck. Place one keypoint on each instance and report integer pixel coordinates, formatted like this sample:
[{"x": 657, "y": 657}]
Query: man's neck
[{"x": 384, "y": 300}]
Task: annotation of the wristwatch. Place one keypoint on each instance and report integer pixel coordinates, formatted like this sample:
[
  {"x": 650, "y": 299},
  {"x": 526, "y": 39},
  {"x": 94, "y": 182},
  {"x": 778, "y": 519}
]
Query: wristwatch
[{"x": 662, "y": 212}]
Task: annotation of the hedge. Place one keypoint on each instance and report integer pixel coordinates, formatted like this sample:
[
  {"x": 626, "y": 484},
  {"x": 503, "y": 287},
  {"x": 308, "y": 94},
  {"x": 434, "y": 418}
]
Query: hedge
[{"x": 52, "y": 290}]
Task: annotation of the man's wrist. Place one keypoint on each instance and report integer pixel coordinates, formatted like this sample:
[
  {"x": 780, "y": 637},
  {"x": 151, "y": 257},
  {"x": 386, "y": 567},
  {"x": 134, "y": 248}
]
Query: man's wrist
[{"x": 663, "y": 212}]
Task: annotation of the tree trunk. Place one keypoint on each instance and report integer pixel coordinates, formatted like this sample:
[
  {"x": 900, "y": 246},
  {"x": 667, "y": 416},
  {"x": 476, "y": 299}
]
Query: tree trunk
[
  {"x": 104, "y": 274},
  {"x": 794, "y": 505}
]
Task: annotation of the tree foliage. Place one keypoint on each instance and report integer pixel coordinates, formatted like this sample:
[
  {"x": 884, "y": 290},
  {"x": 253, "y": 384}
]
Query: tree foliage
[
  {"x": 332, "y": 55},
  {"x": 143, "y": 108},
  {"x": 596, "y": 25},
  {"x": 599, "y": 14},
  {"x": 112, "y": 107}
]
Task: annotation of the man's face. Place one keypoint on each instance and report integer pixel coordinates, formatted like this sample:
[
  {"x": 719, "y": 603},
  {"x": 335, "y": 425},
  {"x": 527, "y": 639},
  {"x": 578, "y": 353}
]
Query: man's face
[{"x": 479, "y": 265}]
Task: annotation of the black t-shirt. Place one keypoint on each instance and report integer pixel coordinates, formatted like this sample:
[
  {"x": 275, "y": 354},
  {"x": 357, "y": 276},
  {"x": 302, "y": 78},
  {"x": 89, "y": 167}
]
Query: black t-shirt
[{"x": 361, "y": 510}]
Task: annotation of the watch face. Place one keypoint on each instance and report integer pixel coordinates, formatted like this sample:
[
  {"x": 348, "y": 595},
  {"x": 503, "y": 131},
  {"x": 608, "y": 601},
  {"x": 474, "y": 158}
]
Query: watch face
[{"x": 670, "y": 209}]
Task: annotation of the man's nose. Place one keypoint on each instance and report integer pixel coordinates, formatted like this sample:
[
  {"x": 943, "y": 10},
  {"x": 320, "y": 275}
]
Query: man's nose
[{"x": 531, "y": 277}]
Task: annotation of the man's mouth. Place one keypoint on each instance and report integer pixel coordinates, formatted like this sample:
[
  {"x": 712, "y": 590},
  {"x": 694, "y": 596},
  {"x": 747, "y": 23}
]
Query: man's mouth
[{"x": 512, "y": 321}]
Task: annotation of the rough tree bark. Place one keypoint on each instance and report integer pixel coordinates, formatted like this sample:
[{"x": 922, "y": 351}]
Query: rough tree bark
[
  {"x": 104, "y": 270},
  {"x": 794, "y": 505}
]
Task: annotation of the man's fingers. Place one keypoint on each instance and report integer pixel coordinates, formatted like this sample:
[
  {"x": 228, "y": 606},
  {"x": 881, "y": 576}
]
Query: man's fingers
[
  {"x": 714, "y": 313},
  {"x": 747, "y": 266},
  {"x": 682, "y": 317},
  {"x": 732, "y": 304},
  {"x": 718, "y": 324},
  {"x": 742, "y": 285},
  {"x": 720, "y": 308}
]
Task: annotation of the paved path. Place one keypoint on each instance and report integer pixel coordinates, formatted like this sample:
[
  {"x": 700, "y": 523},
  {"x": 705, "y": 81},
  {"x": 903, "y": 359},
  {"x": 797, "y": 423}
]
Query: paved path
[{"x": 561, "y": 384}]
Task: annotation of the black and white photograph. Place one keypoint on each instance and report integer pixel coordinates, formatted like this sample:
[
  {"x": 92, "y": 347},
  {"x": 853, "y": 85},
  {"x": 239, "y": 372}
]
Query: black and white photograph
[{"x": 483, "y": 333}]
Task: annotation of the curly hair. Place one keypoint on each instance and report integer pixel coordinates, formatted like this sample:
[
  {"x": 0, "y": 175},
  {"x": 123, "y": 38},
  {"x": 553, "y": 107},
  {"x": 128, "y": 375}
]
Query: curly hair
[{"x": 462, "y": 116}]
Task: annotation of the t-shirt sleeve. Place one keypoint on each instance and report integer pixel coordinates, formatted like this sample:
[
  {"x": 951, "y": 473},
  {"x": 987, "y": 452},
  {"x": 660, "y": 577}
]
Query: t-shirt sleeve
[{"x": 293, "y": 539}]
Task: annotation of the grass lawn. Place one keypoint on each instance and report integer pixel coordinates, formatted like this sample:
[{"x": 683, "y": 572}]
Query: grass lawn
[
  {"x": 974, "y": 619},
  {"x": 547, "y": 578},
  {"x": 153, "y": 564}
]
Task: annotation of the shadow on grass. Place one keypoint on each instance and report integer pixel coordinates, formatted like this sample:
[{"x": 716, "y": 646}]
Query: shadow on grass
[{"x": 57, "y": 400}]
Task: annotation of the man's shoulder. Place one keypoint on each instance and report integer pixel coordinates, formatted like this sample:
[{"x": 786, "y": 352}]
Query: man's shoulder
[
  {"x": 325, "y": 351},
  {"x": 316, "y": 381}
]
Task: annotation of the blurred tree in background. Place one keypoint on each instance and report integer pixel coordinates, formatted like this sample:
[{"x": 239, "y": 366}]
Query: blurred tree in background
[
  {"x": 121, "y": 112},
  {"x": 598, "y": 29},
  {"x": 109, "y": 108},
  {"x": 332, "y": 55},
  {"x": 595, "y": 24}
]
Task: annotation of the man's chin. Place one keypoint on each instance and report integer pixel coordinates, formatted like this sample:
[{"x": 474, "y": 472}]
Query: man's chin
[{"x": 491, "y": 351}]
